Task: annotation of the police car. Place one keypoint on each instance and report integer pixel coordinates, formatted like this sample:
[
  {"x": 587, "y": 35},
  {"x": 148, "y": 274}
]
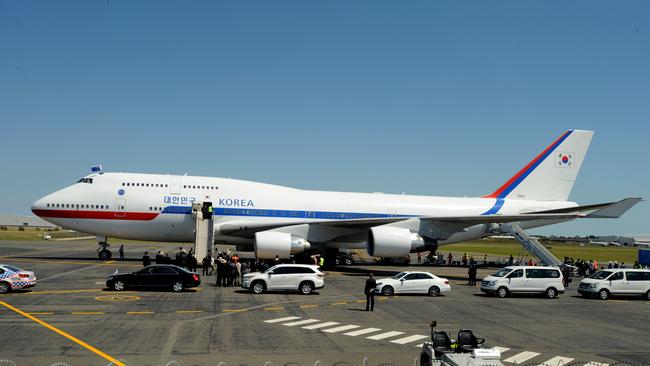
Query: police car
[{"x": 14, "y": 278}]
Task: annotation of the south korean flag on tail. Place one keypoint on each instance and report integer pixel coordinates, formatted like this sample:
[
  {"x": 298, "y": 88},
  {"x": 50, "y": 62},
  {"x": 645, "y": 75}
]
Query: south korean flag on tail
[{"x": 564, "y": 159}]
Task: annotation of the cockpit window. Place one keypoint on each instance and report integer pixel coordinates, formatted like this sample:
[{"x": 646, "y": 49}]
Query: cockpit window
[{"x": 85, "y": 180}]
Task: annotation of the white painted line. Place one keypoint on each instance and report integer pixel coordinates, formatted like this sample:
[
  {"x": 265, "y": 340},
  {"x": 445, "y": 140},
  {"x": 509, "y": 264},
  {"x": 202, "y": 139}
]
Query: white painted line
[
  {"x": 340, "y": 329},
  {"x": 278, "y": 320},
  {"x": 419, "y": 345},
  {"x": 409, "y": 339},
  {"x": 301, "y": 322},
  {"x": 557, "y": 361},
  {"x": 361, "y": 332},
  {"x": 384, "y": 335},
  {"x": 593, "y": 363},
  {"x": 321, "y": 325},
  {"x": 502, "y": 349},
  {"x": 521, "y": 357}
]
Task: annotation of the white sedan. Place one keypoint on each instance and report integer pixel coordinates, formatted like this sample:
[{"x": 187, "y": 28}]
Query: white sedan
[{"x": 413, "y": 283}]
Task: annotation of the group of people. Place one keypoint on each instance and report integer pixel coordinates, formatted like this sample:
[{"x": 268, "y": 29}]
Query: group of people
[{"x": 183, "y": 259}]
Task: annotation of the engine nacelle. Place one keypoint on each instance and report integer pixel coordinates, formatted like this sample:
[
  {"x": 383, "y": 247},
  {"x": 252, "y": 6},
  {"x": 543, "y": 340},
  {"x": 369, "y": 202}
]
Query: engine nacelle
[
  {"x": 268, "y": 244},
  {"x": 389, "y": 241}
]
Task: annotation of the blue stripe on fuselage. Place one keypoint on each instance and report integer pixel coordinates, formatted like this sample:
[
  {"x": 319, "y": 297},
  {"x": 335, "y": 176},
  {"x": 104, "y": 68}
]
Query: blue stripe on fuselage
[
  {"x": 497, "y": 206},
  {"x": 298, "y": 214}
]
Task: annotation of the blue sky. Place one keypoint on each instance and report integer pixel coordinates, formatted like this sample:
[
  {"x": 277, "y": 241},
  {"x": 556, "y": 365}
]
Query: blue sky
[{"x": 422, "y": 97}]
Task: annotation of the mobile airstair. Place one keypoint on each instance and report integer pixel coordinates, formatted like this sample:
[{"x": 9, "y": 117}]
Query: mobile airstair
[
  {"x": 203, "y": 229},
  {"x": 533, "y": 246}
]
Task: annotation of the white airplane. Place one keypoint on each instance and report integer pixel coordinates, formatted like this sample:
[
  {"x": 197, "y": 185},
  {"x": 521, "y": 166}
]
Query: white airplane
[{"x": 275, "y": 220}]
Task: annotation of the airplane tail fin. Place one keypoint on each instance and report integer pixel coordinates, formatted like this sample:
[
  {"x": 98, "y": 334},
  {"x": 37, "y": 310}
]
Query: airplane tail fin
[{"x": 550, "y": 176}]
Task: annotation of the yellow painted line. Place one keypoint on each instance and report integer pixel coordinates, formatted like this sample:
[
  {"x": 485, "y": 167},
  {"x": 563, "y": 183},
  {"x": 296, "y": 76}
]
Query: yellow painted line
[
  {"x": 340, "y": 303},
  {"x": 188, "y": 311},
  {"x": 233, "y": 310},
  {"x": 109, "y": 262},
  {"x": 66, "y": 335},
  {"x": 361, "y": 301},
  {"x": 271, "y": 309},
  {"x": 309, "y": 306},
  {"x": 87, "y": 312},
  {"x": 139, "y": 312},
  {"x": 382, "y": 298},
  {"x": 62, "y": 292},
  {"x": 40, "y": 313}
]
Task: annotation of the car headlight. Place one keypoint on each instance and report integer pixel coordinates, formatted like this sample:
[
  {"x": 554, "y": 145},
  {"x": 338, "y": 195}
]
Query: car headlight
[
  {"x": 491, "y": 283},
  {"x": 593, "y": 285}
]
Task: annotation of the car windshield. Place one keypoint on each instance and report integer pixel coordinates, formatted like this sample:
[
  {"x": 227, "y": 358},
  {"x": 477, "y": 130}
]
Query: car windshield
[
  {"x": 270, "y": 269},
  {"x": 398, "y": 276},
  {"x": 14, "y": 269},
  {"x": 600, "y": 275},
  {"x": 502, "y": 272}
]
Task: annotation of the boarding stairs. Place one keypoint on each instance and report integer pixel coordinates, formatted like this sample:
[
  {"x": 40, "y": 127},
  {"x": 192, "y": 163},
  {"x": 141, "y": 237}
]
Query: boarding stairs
[
  {"x": 203, "y": 229},
  {"x": 533, "y": 246}
]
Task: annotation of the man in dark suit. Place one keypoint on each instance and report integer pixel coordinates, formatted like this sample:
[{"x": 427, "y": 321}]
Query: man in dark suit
[{"x": 369, "y": 290}]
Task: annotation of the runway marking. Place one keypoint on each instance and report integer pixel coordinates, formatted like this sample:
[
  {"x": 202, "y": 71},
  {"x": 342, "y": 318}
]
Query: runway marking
[
  {"x": 69, "y": 272},
  {"x": 385, "y": 335},
  {"x": 383, "y": 298},
  {"x": 521, "y": 357},
  {"x": 409, "y": 339},
  {"x": 557, "y": 361},
  {"x": 361, "y": 332},
  {"x": 308, "y": 306},
  {"x": 321, "y": 325},
  {"x": 117, "y": 298},
  {"x": 233, "y": 310},
  {"x": 592, "y": 363},
  {"x": 139, "y": 312},
  {"x": 188, "y": 311},
  {"x": 62, "y": 292},
  {"x": 339, "y": 303},
  {"x": 66, "y": 335},
  {"x": 502, "y": 349},
  {"x": 340, "y": 329},
  {"x": 278, "y": 320},
  {"x": 273, "y": 309},
  {"x": 87, "y": 313},
  {"x": 40, "y": 313},
  {"x": 301, "y": 322},
  {"x": 29, "y": 260},
  {"x": 361, "y": 300}
]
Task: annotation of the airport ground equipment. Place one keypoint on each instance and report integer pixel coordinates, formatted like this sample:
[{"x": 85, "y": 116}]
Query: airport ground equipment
[
  {"x": 466, "y": 350},
  {"x": 644, "y": 257},
  {"x": 203, "y": 229},
  {"x": 533, "y": 246}
]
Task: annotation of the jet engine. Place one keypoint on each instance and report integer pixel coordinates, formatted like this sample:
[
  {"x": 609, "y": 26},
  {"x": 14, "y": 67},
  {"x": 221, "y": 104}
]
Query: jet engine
[
  {"x": 268, "y": 244},
  {"x": 390, "y": 241}
]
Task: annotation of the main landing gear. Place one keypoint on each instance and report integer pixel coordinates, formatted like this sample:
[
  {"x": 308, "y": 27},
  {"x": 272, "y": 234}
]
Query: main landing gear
[{"x": 103, "y": 252}]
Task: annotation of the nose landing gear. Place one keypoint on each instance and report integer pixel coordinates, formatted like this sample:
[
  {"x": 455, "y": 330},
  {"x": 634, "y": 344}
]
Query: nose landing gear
[{"x": 103, "y": 252}]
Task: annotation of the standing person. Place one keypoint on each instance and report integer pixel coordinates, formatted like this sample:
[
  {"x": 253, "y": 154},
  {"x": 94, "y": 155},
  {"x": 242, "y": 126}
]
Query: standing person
[
  {"x": 205, "y": 263},
  {"x": 369, "y": 290},
  {"x": 192, "y": 262},
  {"x": 450, "y": 258},
  {"x": 511, "y": 260},
  {"x": 238, "y": 267},
  {"x": 485, "y": 259},
  {"x": 121, "y": 251},
  {"x": 471, "y": 272},
  {"x": 145, "y": 259},
  {"x": 419, "y": 258},
  {"x": 566, "y": 273},
  {"x": 464, "y": 259},
  {"x": 321, "y": 262}
]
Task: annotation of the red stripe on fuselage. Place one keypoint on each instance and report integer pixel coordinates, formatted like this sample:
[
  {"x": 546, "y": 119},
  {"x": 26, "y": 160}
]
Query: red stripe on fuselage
[{"x": 96, "y": 215}]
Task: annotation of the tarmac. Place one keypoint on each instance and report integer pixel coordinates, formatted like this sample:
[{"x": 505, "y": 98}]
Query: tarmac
[{"x": 70, "y": 318}]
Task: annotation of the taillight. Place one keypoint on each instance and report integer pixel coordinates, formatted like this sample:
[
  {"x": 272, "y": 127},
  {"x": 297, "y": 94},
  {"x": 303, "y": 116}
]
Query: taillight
[
  {"x": 446, "y": 282},
  {"x": 23, "y": 275},
  {"x": 320, "y": 275},
  {"x": 195, "y": 277}
]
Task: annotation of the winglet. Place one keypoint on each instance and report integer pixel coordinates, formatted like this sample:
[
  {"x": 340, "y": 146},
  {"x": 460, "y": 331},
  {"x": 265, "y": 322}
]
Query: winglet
[{"x": 616, "y": 209}]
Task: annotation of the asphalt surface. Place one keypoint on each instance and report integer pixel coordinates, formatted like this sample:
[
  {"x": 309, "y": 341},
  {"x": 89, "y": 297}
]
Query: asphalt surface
[{"x": 70, "y": 317}]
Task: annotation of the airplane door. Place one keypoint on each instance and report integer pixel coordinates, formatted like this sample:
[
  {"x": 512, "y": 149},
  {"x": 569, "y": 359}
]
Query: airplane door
[
  {"x": 120, "y": 207},
  {"x": 175, "y": 184}
]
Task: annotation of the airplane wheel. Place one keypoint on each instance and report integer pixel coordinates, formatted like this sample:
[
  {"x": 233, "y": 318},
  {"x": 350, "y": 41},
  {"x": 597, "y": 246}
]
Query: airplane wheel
[{"x": 105, "y": 255}]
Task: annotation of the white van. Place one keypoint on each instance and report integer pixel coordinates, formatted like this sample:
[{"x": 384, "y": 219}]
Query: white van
[
  {"x": 620, "y": 281},
  {"x": 524, "y": 279}
]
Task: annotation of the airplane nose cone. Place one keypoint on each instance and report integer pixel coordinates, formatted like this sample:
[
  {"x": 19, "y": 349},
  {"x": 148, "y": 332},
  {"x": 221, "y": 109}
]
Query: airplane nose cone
[{"x": 38, "y": 206}]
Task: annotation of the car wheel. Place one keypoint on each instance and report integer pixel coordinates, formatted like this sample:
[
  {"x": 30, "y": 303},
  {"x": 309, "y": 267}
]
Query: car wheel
[
  {"x": 647, "y": 295},
  {"x": 306, "y": 287},
  {"x": 337, "y": 261},
  {"x": 551, "y": 293},
  {"x": 105, "y": 255},
  {"x": 119, "y": 285},
  {"x": 387, "y": 291},
  {"x": 603, "y": 294},
  {"x": 4, "y": 288},
  {"x": 502, "y": 292},
  {"x": 258, "y": 287},
  {"x": 348, "y": 261},
  {"x": 434, "y": 291},
  {"x": 178, "y": 286}
]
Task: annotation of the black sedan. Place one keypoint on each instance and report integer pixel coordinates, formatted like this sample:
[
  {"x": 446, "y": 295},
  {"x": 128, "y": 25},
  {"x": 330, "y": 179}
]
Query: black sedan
[{"x": 164, "y": 276}]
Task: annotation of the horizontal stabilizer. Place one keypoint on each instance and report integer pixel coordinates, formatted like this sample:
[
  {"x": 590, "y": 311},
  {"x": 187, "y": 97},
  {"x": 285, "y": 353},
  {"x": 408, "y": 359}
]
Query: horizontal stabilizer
[{"x": 615, "y": 210}]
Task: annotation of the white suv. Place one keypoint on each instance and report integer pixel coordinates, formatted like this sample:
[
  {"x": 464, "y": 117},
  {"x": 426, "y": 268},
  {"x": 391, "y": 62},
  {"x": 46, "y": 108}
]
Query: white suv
[
  {"x": 524, "y": 279},
  {"x": 287, "y": 277},
  {"x": 616, "y": 282}
]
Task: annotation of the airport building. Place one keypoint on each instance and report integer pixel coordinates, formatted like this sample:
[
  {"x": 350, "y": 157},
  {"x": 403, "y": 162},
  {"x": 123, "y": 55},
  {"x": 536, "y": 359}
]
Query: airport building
[{"x": 8, "y": 220}]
